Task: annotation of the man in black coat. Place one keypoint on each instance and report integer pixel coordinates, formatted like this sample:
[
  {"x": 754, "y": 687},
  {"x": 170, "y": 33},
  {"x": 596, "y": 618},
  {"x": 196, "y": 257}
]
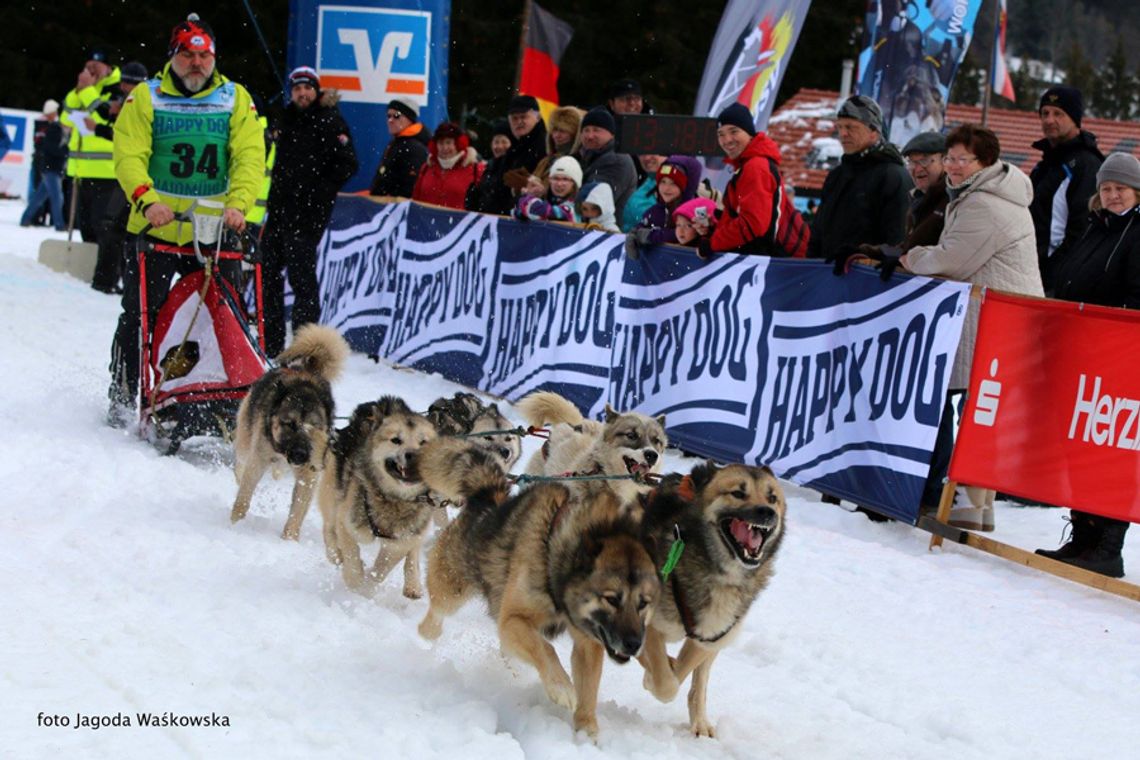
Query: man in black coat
[
  {"x": 315, "y": 157},
  {"x": 496, "y": 191},
  {"x": 600, "y": 162},
  {"x": 1064, "y": 179},
  {"x": 406, "y": 153},
  {"x": 865, "y": 199}
]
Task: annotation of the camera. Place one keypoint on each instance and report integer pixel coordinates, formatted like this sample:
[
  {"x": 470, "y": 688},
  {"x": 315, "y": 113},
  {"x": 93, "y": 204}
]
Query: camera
[{"x": 700, "y": 213}]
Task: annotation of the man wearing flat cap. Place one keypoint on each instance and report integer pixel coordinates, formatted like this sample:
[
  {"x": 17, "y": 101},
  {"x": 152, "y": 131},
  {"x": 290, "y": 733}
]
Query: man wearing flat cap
[
  {"x": 928, "y": 200},
  {"x": 497, "y": 189},
  {"x": 406, "y": 152},
  {"x": 1064, "y": 179},
  {"x": 865, "y": 198}
]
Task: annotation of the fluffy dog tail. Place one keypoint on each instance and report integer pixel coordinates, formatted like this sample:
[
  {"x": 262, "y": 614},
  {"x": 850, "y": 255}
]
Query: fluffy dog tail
[
  {"x": 463, "y": 473},
  {"x": 544, "y": 407},
  {"x": 318, "y": 349}
]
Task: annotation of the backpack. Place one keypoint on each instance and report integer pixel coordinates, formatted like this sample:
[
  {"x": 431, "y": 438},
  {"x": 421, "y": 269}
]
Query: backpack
[{"x": 788, "y": 233}]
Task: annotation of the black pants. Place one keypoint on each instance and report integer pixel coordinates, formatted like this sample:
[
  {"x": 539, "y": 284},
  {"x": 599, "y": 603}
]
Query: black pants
[
  {"x": 126, "y": 353},
  {"x": 112, "y": 233},
  {"x": 94, "y": 195},
  {"x": 281, "y": 249},
  {"x": 943, "y": 448}
]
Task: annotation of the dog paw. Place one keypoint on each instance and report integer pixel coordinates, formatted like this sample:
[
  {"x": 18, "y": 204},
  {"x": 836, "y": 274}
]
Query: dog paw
[
  {"x": 587, "y": 725},
  {"x": 413, "y": 592},
  {"x": 663, "y": 689},
  {"x": 702, "y": 727},
  {"x": 291, "y": 534},
  {"x": 561, "y": 693},
  {"x": 430, "y": 627}
]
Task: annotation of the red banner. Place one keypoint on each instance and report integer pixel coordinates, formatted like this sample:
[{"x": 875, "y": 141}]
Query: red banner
[{"x": 1054, "y": 407}]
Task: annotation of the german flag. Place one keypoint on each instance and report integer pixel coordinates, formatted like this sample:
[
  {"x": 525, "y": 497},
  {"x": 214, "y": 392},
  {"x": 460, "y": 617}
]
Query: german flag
[{"x": 544, "y": 41}]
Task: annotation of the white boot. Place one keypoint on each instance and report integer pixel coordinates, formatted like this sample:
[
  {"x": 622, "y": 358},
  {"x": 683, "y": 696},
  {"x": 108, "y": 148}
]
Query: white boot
[{"x": 973, "y": 509}]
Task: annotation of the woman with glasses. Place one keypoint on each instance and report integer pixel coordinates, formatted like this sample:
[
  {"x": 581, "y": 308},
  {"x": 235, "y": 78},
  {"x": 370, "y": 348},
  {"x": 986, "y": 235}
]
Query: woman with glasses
[{"x": 988, "y": 239}]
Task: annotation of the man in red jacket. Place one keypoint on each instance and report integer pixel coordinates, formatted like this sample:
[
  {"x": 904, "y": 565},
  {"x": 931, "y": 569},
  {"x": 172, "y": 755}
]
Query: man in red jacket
[{"x": 758, "y": 217}]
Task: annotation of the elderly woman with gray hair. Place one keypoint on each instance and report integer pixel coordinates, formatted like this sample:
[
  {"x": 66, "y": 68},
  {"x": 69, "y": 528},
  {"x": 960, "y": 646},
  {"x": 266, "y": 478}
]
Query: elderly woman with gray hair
[
  {"x": 988, "y": 239},
  {"x": 1103, "y": 267}
]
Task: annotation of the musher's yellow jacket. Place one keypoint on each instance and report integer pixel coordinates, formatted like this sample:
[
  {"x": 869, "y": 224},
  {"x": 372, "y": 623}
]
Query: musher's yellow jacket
[{"x": 242, "y": 162}]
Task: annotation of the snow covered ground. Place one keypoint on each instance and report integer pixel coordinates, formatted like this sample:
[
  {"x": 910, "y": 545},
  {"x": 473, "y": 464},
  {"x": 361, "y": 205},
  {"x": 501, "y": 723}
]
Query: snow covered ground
[{"x": 127, "y": 590}]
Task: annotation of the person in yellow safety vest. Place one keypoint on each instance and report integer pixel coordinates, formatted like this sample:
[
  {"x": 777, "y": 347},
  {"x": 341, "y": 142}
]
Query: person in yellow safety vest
[
  {"x": 256, "y": 216},
  {"x": 190, "y": 134},
  {"x": 89, "y": 163}
]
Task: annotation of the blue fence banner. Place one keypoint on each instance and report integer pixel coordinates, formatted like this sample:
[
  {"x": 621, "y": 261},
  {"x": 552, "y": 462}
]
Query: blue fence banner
[
  {"x": 372, "y": 52},
  {"x": 835, "y": 382},
  {"x": 911, "y": 52}
]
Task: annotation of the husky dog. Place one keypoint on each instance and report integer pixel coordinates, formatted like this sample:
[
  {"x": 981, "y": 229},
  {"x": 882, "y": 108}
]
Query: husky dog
[
  {"x": 372, "y": 490},
  {"x": 731, "y": 521},
  {"x": 625, "y": 444},
  {"x": 549, "y": 559},
  {"x": 287, "y": 417}
]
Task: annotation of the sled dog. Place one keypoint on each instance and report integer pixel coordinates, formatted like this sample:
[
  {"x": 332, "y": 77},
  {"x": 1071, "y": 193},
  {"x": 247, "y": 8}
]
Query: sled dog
[
  {"x": 371, "y": 490},
  {"x": 549, "y": 559},
  {"x": 731, "y": 520},
  {"x": 287, "y": 418},
  {"x": 626, "y": 443}
]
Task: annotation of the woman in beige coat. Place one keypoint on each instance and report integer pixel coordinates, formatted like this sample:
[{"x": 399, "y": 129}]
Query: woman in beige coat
[{"x": 988, "y": 240}]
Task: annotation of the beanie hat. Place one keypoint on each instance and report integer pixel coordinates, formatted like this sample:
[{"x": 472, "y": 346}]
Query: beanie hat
[
  {"x": 624, "y": 87},
  {"x": 304, "y": 75},
  {"x": 97, "y": 54},
  {"x": 862, "y": 109},
  {"x": 688, "y": 208},
  {"x": 448, "y": 130},
  {"x": 1120, "y": 167},
  {"x": 51, "y": 106},
  {"x": 1068, "y": 99},
  {"x": 502, "y": 127},
  {"x": 132, "y": 73},
  {"x": 925, "y": 142},
  {"x": 193, "y": 34},
  {"x": 522, "y": 104},
  {"x": 738, "y": 116},
  {"x": 601, "y": 118},
  {"x": 567, "y": 166},
  {"x": 406, "y": 107},
  {"x": 675, "y": 173}
]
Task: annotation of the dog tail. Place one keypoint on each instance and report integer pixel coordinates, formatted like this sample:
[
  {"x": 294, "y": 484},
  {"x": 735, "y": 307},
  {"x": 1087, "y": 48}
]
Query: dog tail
[
  {"x": 463, "y": 473},
  {"x": 318, "y": 349},
  {"x": 544, "y": 407}
]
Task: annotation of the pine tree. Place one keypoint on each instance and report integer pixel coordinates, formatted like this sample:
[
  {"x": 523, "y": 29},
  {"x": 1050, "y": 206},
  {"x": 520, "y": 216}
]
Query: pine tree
[
  {"x": 968, "y": 83},
  {"x": 1116, "y": 89},
  {"x": 1079, "y": 71}
]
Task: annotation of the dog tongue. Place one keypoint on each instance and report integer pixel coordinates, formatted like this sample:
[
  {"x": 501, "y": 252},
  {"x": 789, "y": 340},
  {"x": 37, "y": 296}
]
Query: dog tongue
[{"x": 745, "y": 536}]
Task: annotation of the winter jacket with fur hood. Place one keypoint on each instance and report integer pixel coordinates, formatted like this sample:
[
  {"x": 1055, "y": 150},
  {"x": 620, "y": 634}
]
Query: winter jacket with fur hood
[
  {"x": 988, "y": 240},
  {"x": 315, "y": 157}
]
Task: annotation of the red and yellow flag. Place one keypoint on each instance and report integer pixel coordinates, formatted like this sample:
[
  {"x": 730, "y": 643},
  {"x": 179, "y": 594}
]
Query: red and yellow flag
[{"x": 544, "y": 41}]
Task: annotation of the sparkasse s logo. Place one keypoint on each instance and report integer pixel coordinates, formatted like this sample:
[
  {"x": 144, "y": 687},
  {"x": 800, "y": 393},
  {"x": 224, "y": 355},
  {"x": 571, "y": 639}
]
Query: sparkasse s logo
[
  {"x": 372, "y": 55},
  {"x": 989, "y": 396}
]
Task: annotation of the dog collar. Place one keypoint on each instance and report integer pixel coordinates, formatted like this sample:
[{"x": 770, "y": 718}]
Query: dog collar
[{"x": 688, "y": 620}]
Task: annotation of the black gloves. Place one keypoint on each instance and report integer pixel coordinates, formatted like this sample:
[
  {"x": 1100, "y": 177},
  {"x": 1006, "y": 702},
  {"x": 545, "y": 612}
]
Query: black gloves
[
  {"x": 844, "y": 257},
  {"x": 887, "y": 257},
  {"x": 889, "y": 261},
  {"x": 635, "y": 241}
]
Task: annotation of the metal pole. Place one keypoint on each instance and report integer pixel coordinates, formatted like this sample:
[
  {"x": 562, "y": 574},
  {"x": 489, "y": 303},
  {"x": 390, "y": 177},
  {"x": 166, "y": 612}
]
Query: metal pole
[{"x": 987, "y": 91}]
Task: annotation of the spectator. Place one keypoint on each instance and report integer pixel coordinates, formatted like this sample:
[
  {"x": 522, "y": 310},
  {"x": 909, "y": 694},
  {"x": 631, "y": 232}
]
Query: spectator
[
  {"x": 451, "y": 169},
  {"x": 987, "y": 240},
  {"x": 112, "y": 229},
  {"x": 677, "y": 181},
  {"x": 501, "y": 138},
  {"x": 558, "y": 203},
  {"x": 646, "y": 193},
  {"x": 864, "y": 198},
  {"x": 561, "y": 137},
  {"x": 1103, "y": 267},
  {"x": 687, "y": 214},
  {"x": 89, "y": 162},
  {"x": 50, "y": 157},
  {"x": 1064, "y": 178},
  {"x": 624, "y": 97},
  {"x": 497, "y": 196},
  {"x": 600, "y": 162},
  {"x": 757, "y": 218},
  {"x": 405, "y": 154},
  {"x": 315, "y": 157},
  {"x": 596, "y": 207},
  {"x": 228, "y": 149}
]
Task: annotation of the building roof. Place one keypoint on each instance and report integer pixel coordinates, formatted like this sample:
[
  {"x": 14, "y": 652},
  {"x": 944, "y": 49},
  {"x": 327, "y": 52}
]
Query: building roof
[{"x": 806, "y": 123}]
